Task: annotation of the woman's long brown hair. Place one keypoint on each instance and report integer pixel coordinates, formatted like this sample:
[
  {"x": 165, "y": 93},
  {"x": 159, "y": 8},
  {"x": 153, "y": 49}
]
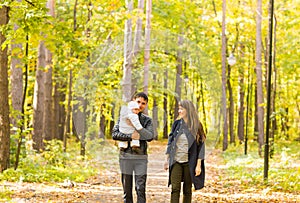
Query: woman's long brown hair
[{"x": 193, "y": 122}]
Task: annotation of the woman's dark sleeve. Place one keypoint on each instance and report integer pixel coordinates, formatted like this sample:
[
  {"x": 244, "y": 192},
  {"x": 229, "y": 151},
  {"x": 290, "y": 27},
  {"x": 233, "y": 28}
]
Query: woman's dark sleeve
[{"x": 170, "y": 138}]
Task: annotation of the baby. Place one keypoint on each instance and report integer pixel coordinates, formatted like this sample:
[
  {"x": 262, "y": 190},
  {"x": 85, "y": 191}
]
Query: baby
[{"x": 129, "y": 112}]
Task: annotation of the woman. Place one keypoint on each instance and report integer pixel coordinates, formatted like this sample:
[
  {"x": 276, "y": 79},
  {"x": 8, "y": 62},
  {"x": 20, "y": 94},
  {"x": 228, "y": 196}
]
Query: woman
[{"x": 185, "y": 153}]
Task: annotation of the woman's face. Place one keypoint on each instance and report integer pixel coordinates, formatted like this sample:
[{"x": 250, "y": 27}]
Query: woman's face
[{"x": 182, "y": 112}]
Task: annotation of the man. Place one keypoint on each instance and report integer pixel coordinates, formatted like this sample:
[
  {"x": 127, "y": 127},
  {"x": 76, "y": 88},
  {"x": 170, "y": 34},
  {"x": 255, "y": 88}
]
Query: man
[{"x": 134, "y": 160}]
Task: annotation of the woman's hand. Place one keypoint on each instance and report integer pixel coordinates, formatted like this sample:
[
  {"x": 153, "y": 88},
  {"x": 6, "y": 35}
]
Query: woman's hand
[
  {"x": 198, "y": 168},
  {"x": 166, "y": 164}
]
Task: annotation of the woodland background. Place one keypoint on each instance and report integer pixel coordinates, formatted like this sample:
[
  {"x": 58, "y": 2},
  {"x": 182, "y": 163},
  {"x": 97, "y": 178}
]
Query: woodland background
[{"x": 67, "y": 67}]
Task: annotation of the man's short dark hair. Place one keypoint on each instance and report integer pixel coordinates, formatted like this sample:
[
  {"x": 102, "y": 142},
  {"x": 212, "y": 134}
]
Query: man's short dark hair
[{"x": 141, "y": 94}]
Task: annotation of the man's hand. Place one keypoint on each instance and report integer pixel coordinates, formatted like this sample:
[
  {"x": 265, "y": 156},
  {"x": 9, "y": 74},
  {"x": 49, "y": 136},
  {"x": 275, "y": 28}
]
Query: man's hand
[{"x": 135, "y": 135}]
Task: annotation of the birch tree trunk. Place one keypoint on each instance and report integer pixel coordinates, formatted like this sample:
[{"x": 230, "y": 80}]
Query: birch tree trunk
[
  {"x": 4, "y": 107},
  {"x": 224, "y": 78},
  {"x": 147, "y": 45},
  {"x": 127, "y": 66},
  {"x": 258, "y": 59},
  {"x": 136, "y": 42},
  {"x": 138, "y": 28},
  {"x": 178, "y": 75}
]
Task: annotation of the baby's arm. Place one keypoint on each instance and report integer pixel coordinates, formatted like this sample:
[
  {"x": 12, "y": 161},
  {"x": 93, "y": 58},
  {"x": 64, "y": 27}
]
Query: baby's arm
[{"x": 134, "y": 118}]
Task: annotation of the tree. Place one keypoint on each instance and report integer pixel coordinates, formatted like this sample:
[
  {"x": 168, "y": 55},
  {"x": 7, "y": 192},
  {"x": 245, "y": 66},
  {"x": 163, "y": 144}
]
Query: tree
[
  {"x": 259, "y": 82},
  {"x": 127, "y": 65},
  {"x": 224, "y": 105},
  {"x": 38, "y": 100},
  {"x": 4, "y": 107},
  {"x": 16, "y": 78},
  {"x": 48, "y": 100},
  {"x": 147, "y": 45}
]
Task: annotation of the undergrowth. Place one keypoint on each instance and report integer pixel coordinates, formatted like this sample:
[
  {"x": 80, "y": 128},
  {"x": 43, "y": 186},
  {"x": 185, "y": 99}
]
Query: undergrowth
[
  {"x": 55, "y": 165},
  {"x": 284, "y": 167}
]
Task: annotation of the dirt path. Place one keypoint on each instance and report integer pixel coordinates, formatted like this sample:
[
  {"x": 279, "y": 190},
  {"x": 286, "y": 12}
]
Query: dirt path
[{"x": 106, "y": 187}]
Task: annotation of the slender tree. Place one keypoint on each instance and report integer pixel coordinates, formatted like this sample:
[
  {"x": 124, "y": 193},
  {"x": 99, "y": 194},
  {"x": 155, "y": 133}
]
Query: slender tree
[
  {"x": 178, "y": 83},
  {"x": 224, "y": 79},
  {"x": 4, "y": 107},
  {"x": 137, "y": 42},
  {"x": 48, "y": 124},
  {"x": 241, "y": 110},
  {"x": 138, "y": 28},
  {"x": 259, "y": 82},
  {"x": 127, "y": 65},
  {"x": 165, "y": 105},
  {"x": 147, "y": 45},
  {"x": 38, "y": 100},
  {"x": 16, "y": 78}
]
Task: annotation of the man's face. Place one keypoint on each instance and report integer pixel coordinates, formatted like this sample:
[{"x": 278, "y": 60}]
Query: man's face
[{"x": 142, "y": 103}]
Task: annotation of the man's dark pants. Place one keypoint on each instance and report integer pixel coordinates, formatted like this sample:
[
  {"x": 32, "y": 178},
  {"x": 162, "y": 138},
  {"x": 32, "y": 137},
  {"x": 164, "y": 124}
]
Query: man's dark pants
[{"x": 138, "y": 168}]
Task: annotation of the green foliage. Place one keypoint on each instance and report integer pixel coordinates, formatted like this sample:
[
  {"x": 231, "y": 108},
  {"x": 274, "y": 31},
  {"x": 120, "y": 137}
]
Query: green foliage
[
  {"x": 52, "y": 165},
  {"x": 284, "y": 170},
  {"x": 5, "y": 194}
]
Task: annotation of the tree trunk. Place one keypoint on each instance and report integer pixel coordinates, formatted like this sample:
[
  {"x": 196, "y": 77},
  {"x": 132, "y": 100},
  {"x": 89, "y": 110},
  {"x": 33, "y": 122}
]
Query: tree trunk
[
  {"x": 178, "y": 75},
  {"x": 165, "y": 106},
  {"x": 231, "y": 107},
  {"x": 224, "y": 79},
  {"x": 155, "y": 118},
  {"x": 241, "y": 118},
  {"x": 102, "y": 125},
  {"x": 59, "y": 112},
  {"x": 260, "y": 96},
  {"x": 16, "y": 78},
  {"x": 136, "y": 42},
  {"x": 67, "y": 130},
  {"x": 248, "y": 110},
  {"x": 138, "y": 29},
  {"x": 69, "y": 110},
  {"x": 273, "y": 99},
  {"x": 4, "y": 107},
  {"x": 127, "y": 66},
  {"x": 38, "y": 100},
  {"x": 48, "y": 110},
  {"x": 155, "y": 109},
  {"x": 147, "y": 45}
]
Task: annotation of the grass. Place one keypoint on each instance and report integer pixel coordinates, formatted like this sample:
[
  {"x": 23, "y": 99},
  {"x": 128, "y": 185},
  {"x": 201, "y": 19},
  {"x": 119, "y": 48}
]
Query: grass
[
  {"x": 284, "y": 167},
  {"x": 54, "y": 165}
]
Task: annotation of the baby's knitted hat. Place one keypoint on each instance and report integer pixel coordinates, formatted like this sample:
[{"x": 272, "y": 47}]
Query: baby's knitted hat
[{"x": 133, "y": 105}]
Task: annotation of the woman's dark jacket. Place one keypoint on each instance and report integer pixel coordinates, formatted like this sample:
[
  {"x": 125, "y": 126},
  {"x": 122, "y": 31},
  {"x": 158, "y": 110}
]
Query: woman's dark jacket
[{"x": 178, "y": 128}]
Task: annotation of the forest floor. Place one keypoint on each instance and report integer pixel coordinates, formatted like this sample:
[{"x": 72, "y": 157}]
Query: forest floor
[{"x": 106, "y": 186}]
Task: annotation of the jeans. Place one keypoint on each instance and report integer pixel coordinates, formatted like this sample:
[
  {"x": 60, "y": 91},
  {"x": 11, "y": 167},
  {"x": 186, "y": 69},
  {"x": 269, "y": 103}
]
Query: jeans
[
  {"x": 138, "y": 168},
  {"x": 181, "y": 172}
]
